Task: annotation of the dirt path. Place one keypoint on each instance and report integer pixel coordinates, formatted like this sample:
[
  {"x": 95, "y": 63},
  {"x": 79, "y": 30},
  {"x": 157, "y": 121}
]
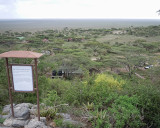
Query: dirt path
[{"x": 139, "y": 76}]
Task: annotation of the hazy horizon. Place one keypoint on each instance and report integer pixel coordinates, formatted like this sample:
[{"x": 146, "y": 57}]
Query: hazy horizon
[
  {"x": 23, "y": 25},
  {"x": 80, "y": 19}
]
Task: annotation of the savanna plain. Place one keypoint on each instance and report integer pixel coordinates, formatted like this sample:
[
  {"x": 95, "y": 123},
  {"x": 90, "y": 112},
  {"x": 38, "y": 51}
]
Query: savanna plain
[{"x": 110, "y": 76}]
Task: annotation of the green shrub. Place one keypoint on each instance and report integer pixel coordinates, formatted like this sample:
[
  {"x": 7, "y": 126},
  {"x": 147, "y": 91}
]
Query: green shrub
[
  {"x": 58, "y": 122},
  {"x": 125, "y": 113},
  {"x": 89, "y": 106},
  {"x": 109, "y": 81},
  {"x": 70, "y": 125},
  {"x": 122, "y": 113},
  {"x": 101, "y": 119},
  {"x": 2, "y": 120},
  {"x": 49, "y": 113},
  {"x": 93, "y": 90},
  {"x": 107, "y": 92},
  {"x": 52, "y": 98},
  {"x": 149, "y": 102}
]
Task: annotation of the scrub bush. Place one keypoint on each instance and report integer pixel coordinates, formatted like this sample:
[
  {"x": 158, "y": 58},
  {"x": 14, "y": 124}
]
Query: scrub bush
[{"x": 122, "y": 113}]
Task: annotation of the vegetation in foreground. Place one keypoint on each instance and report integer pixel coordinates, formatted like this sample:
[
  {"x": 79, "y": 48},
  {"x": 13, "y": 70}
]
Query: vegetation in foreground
[{"x": 115, "y": 90}]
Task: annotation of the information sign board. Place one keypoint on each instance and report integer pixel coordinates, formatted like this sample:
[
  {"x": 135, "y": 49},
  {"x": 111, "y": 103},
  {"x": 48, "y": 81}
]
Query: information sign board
[{"x": 22, "y": 76}]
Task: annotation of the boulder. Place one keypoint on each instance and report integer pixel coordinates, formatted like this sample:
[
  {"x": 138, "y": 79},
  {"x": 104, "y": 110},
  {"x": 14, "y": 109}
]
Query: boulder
[
  {"x": 42, "y": 119},
  {"x": 5, "y": 127},
  {"x": 13, "y": 122},
  {"x": 8, "y": 122},
  {"x": 21, "y": 112},
  {"x": 21, "y": 117},
  {"x": 34, "y": 123},
  {"x": 5, "y": 116},
  {"x": 27, "y": 105},
  {"x": 6, "y": 109},
  {"x": 19, "y": 123}
]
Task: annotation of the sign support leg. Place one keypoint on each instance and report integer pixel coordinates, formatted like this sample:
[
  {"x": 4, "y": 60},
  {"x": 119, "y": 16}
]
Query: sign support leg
[
  {"x": 37, "y": 89},
  {"x": 9, "y": 85}
]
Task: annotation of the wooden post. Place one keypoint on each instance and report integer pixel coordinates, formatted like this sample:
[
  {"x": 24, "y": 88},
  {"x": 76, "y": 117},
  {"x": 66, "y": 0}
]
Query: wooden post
[
  {"x": 38, "y": 108},
  {"x": 9, "y": 87}
]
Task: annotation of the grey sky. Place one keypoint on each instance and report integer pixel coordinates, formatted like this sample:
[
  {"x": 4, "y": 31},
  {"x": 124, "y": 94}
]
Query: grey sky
[
  {"x": 143, "y": 9},
  {"x": 7, "y": 9}
]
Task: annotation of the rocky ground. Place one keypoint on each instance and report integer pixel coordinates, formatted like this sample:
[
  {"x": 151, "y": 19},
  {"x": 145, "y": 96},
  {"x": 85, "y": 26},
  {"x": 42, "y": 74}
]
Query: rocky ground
[{"x": 25, "y": 117}]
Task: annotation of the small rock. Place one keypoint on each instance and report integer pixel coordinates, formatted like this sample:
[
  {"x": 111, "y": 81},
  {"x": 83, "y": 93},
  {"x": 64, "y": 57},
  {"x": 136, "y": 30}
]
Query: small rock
[
  {"x": 68, "y": 120},
  {"x": 33, "y": 111},
  {"x": 64, "y": 115},
  {"x": 32, "y": 116},
  {"x": 42, "y": 105},
  {"x": 72, "y": 122},
  {"x": 34, "y": 107},
  {"x": 52, "y": 124}
]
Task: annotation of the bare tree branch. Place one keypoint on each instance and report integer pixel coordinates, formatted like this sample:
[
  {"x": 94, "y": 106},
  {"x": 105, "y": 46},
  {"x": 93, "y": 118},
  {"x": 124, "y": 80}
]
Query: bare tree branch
[{"x": 158, "y": 12}]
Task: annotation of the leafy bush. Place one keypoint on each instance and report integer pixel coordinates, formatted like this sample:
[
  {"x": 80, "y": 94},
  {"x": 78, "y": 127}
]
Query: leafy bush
[
  {"x": 92, "y": 90},
  {"x": 149, "y": 102},
  {"x": 108, "y": 80},
  {"x": 52, "y": 98},
  {"x": 122, "y": 113}
]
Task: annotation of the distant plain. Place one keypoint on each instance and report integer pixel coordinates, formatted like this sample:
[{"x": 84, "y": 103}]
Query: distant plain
[{"x": 33, "y": 25}]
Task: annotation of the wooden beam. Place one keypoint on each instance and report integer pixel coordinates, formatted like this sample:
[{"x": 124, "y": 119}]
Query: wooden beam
[{"x": 9, "y": 87}]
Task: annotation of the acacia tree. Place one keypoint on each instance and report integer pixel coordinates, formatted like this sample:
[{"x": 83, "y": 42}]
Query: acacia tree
[
  {"x": 158, "y": 12},
  {"x": 97, "y": 47},
  {"x": 133, "y": 58},
  {"x": 132, "y": 62}
]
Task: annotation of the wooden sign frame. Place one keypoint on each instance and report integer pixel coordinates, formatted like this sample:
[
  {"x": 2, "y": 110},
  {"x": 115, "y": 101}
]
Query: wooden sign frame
[
  {"x": 24, "y": 55},
  {"x": 8, "y": 68}
]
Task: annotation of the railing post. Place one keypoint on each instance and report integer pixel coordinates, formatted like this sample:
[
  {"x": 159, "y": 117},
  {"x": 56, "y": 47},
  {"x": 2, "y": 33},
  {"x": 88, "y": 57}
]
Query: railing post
[
  {"x": 38, "y": 108},
  {"x": 9, "y": 87}
]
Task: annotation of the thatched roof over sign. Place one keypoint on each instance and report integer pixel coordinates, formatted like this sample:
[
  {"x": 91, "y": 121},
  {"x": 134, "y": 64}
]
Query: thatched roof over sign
[{"x": 20, "y": 54}]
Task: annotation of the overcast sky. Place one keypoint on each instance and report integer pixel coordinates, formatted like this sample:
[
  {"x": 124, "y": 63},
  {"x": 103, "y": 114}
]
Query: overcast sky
[{"x": 141, "y": 9}]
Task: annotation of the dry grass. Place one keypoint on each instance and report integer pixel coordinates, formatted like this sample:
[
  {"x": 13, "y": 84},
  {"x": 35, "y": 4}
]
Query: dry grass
[
  {"x": 119, "y": 38},
  {"x": 153, "y": 39}
]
